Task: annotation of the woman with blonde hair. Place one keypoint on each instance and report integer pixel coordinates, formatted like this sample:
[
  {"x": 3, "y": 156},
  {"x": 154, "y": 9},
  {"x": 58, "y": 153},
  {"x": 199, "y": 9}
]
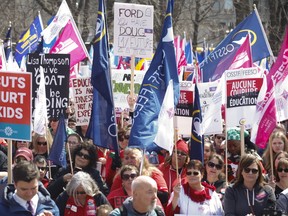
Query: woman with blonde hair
[
  {"x": 277, "y": 142},
  {"x": 134, "y": 156},
  {"x": 82, "y": 196},
  {"x": 41, "y": 143}
]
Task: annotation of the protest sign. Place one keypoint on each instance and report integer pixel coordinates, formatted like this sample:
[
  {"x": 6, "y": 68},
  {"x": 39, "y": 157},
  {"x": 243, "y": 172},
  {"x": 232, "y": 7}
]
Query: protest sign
[
  {"x": 15, "y": 105},
  {"x": 133, "y": 30},
  {"x": 56, "y": 73},
  {"x": 242, "y": 89},
  {"x": 83, "y": 96},
  {"x": 183, "y": 110},
  {"x": 121, "y": 86}
]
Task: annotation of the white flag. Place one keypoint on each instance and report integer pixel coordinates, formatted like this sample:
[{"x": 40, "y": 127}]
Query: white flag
[
  {"x": 60, "y": 20},
  {"x": 165, "y": 133},
  {"x": 40, "y": 112}
]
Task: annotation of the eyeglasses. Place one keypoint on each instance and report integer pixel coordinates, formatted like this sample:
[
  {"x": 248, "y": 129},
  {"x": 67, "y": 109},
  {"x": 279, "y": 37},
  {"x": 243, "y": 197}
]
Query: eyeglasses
[
  {"x": 212, "y": 165},
  {"x": 180, "y": 153},
  {"x": 72, "y": 142},
  {"x": 127, "y": 176},
  {"x": 42, "y": 143},
  {"x": 125, "y": 119},
  {"x": 80, "y": 192},
  {"x": 248, "y": 170},
  {"x": 194, "y": 173},
  {"x": 220, "y": 137},
  {"x": 282, "y": 169},
  {"x": 54, "y": 120},
  {"x": 82, "y": 155},
  {"x": 42, "y": 168}
]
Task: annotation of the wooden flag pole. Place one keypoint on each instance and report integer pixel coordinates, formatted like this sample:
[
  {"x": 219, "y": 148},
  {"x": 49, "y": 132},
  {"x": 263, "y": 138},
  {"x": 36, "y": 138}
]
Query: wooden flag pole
[
  {"x": 242, "y": 128},
  {"x": 176, "y": 154},
  {"x": 132, "y": 65},
  {"x": 9, "y": 154},
  {"x": 70, "y": 158}
]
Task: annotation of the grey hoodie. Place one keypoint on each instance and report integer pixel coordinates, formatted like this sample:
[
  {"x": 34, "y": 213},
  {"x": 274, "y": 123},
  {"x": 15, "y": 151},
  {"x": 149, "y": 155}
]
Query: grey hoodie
[{"x": 238, "y": 200}]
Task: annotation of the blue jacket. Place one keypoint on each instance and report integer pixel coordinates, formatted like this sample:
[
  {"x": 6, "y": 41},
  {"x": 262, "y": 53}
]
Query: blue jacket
[{"x": 9, "y": 207}]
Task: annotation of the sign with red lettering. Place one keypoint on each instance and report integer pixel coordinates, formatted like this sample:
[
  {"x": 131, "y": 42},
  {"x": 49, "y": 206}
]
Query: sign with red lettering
[
  {"x": 83, "y": 96},
  {"x": 15, "y": 105},
  {"x": 242, "y": 89}
]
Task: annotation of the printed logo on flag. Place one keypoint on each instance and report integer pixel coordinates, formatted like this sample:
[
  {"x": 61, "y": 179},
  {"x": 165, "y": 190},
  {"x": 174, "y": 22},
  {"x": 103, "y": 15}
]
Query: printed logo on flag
[{"x": 66, "y": 46}]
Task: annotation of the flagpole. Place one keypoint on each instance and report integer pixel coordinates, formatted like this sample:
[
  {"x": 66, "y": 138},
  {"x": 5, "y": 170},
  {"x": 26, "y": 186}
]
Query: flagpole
[
  {"x": 264, "y": 34},
  {"x": 132, "y": 66},
  {"x": 70, "y": 158},
  {"x": 242, "y": 127},
  {"x": 9, "y": 154},
  {"x": 48, "y": 151}
]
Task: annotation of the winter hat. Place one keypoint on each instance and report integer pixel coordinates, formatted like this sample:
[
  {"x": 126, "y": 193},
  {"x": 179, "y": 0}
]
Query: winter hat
[{"x": 234, "y": 134}]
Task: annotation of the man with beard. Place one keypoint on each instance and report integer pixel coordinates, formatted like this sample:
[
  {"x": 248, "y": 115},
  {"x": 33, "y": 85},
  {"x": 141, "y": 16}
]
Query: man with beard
[{"x": 143, "y": 200}]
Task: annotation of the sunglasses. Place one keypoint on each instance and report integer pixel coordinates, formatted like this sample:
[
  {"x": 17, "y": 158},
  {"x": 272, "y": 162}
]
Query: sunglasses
[
  {"x": 220, "y": 137},
  {"x": 180, "y": 153},
  {"x": 212, "y": 165},
  {"x": 86, "y": 157},
  {"x": 42, "y": 168},
  {"x": 80, "y": 192},
  {"x": 125, "y": 119},
  {"x": 282, "y": 169},
  {"x": 54, "y": 120},
  {"x": 127, "y": 137},
  {"x": 127, "y": 176},
  {"x": 42, "y": 143},
  {"x": 194, "y": 173},
  {"x": 248, "y": 170}
]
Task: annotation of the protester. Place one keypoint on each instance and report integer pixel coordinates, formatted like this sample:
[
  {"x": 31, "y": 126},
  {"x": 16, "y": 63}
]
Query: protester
[
  {"x": 143, "y": 200},
  {"x": 208, "y": 150},
  {"x": 281, "y": 176},
  {"x": 53, "y": 123},
  {"x": 103, "y": 210},
  {"x": 41, "y": 143},
  {"x": 19, "y": 143},
  {"x": 81, "y": 130},
  {"x": 27, "y": 196},
  {"x": 74, "y": 140},
  {"x": 123, "y": 138},
  {"x": 128, "y": 173},
  {"x": 72, "y": 123},
  {"x": 278, "y": 142},
  {"x": 194, "y": 197},
  {"x": 134, "y": 156},
  {"x": 82, "y": 196},
  {"x": 3, "y": 162},
  {"x": 282, "y": 202},
  {"x": 84, "y": 159},
  {"x": 217, "y": 140},
  {"x": 249, "y": 195},
  {"x": 214, "y": 174},
  {"x": 41, "y": 163},
  {"x": 168, "y": 168}
]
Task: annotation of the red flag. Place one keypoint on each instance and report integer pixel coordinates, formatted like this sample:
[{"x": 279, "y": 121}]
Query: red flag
[
  {"x": 69, "y": 42},
  {"x": 266, "y": 108}
]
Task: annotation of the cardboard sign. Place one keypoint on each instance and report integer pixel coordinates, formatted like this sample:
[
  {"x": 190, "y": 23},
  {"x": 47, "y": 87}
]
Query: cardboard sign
[
  {"x": 133, "y": 30},
  {"x": 15, "y": 105},
  {"x": 56, "y": 72},
  {"x": 83, "y": 96}
]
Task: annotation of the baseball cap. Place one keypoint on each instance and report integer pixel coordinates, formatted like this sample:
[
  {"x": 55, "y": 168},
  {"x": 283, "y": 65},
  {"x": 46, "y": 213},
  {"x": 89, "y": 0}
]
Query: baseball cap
[{"x": 24, "y": 152}]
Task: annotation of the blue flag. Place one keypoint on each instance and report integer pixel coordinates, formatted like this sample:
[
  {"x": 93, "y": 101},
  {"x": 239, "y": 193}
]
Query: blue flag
[
  {"x": 196, "y": 148},
  {"x": 28, "y": 41},
  {"x": 58, "y": 151},
  {"x": 8, "y": 42},
  {"x": 102, "y": 127},
  {"x": 259, "y": 45},
  {"x": 189, "y": 52},
  {"x": 163, "y": 68}
]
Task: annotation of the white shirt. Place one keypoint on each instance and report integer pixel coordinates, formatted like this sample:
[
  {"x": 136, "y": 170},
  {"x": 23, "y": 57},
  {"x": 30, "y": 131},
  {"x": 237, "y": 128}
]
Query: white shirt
[{"x": 23, "y": 203}]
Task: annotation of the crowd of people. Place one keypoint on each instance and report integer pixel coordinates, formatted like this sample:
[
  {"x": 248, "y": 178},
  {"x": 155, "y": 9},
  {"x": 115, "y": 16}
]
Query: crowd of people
[{"x": 98, "y": 182}]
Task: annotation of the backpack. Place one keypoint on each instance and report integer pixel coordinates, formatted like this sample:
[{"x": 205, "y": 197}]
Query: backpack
[{"x": 158, "y": 210}]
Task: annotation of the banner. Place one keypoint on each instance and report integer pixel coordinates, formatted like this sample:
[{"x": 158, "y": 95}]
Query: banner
[
  {"x": 83, "y": 95},
  {"x": 133, "y": 30},
  {"x": 242, "y": 89},
  {"x": 56, "y": 71},
  {"x": 15, "y": 106}
]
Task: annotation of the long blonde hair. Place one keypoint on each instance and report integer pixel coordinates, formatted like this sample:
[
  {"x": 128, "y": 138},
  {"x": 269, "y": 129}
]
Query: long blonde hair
[
  {"x": 48, "y": 137},
  {"x": 266, "y": 155}
]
